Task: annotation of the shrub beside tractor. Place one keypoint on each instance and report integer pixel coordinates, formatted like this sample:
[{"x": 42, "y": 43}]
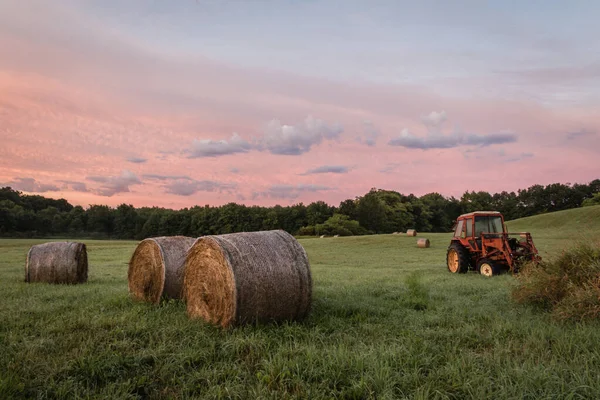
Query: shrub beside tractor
[{"x": 482, "y": 243}]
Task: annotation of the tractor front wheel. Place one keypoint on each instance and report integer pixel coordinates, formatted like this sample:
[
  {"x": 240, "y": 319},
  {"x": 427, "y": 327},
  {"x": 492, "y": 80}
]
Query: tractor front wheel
[
  {"x": 488, "y": 267},
  {"x": 457, "y": 259}
]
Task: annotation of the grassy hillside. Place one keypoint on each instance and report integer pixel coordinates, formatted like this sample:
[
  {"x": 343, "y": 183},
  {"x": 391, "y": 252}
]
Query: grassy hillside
[
  {"x": 576, "y": 222},
  {"x": 553, "y": 232},
  {"x": 388, "y": 321}
]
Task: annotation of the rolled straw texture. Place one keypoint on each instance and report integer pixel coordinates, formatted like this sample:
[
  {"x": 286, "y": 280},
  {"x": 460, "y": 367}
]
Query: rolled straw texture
[
  {"x": 247, "y": 277},
  {"x": 156, "y": 268},
  {"x": 423, "y": 243},
  {"x": 57, "y": 262}
]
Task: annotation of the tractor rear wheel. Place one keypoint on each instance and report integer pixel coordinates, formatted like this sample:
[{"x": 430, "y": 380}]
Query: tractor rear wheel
[
  {"x": 457, "y": 259},
  {"x": 488, "y": 267}
]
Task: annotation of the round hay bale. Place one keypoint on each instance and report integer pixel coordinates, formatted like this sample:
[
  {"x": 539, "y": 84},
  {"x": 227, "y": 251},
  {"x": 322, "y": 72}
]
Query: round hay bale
[
  {"x": 57, "y": 262},
  {"x": 247, "y": 277},
  {"x": 411, "y": 232},
  {"x": 336, "y": 235},
  {"x": 423, "y": 243},
  {"x": 322, "y": 236},
  {"x": 156, "y": 268}
]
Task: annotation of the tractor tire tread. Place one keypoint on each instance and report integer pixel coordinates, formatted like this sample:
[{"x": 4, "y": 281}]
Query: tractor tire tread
[{"x": 464, "y": 260}]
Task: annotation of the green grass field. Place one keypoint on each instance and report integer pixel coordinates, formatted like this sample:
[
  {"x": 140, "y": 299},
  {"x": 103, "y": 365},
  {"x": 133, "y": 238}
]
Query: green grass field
[{"x": 388, "y": 321}]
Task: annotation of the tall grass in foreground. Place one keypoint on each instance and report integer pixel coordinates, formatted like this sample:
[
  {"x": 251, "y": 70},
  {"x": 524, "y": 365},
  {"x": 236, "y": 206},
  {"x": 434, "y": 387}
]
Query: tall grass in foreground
[
  {"x": 388, "y": 322},
  {"x": 568, "y": 286}
]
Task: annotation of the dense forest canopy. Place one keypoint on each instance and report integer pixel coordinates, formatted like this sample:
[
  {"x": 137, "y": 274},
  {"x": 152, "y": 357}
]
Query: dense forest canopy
[{"x": 378, "y": 211}]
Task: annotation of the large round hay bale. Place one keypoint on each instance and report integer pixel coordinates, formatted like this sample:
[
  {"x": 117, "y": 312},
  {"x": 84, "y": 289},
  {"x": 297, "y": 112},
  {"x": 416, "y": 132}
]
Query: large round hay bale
[
  {"x": 57, "y": 262},
  {"x": 247, "y": 277},
  {"x": 411, "y": 232},
  {"x": 423, "y": 243},
  {"x": 156, "y": 268}
]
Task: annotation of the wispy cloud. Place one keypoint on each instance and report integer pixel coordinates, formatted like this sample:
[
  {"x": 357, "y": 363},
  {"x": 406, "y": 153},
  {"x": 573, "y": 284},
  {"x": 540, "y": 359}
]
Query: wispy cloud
[
  {"x": 188, "y": 187},
  {"x": 434, "y": 119},
  {"x": 164, "y": 177},
  {"x": 183, "y": 185},
  {"x": 136, "y": 160},
  {"x": 297, "y": 139},
  {"x": 75, "y": 186},
  {"x": 578, "y": 134},
  {"x": 328, "y": 169},
  {"x": 370, "y": 134},
  {"x": 277, "y": 138},
  {"x": 112, "y": 185},
  {"x": 31, "y": 185},
  {"x": 519, "y": 157},
  {"x": 410, "y": 141},
  {"x": 212, "y": 148},
  {"x": 289, "y": 191}
]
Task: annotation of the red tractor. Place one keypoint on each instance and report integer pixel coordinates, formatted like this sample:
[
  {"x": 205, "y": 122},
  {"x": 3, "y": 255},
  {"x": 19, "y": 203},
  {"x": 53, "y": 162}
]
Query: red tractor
[{"x": 481, "y": 243}]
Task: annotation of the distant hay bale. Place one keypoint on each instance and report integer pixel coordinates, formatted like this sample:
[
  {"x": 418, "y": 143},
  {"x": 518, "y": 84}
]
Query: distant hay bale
[
  {"x": 423, "y": 243},
  {"x": 336, "y": 235},
  {"x": 156, "y": 268},
  {"x": 246, "y": 277},
  {"x": 57, "y": 262},
  {"x": 322, "y": 236},
  {"x": 411, "y": 232}
]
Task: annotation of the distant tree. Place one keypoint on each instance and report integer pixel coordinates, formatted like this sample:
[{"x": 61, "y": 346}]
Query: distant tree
[
  {"x": 125, "y": 222},
  {"x": 318, "y": 212},
  {"x": 371, "y": 212},
  {"x": 437, "y": 206},
  {"x": 349, "y": 208},
  {"x": 476, "y": 201},
  {"x": 100, "y": 219},
  {"x": 152, "y": 225}
]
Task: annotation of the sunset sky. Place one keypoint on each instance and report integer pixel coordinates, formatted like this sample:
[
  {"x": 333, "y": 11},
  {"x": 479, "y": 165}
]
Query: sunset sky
[{"x": 193, "y": 102}]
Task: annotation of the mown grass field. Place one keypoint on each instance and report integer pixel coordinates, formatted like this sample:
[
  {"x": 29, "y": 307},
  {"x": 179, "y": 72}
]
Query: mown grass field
[{"x": 388, "y": 322}]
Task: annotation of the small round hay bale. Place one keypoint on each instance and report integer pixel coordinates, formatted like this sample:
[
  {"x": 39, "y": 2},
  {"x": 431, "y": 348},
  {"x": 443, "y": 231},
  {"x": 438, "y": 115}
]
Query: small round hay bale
[
  {"x": 57, "y": 262},
  {"x": 336, "y": 235},
  {"x": 156, "y": 268},
  {"x": 411, "y": 232},
  {"x": 423, "y": 243},
  {"x": 322, "y": 236},
  {"x": 247, "y": 277}
]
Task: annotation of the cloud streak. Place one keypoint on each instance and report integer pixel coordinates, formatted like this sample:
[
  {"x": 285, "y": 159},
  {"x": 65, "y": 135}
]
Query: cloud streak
[
  {"x": 328, "y": 169},
  {"x": 183, "y": 185},
  {"x": 212, "y": 148},
  {"x": 31, "y": 185},
  {"x": 410, "y": 141},
  {"x": 136, "y": 160},
  {"x": 75, "y": 186},
  {"x": 290, "y": 192},
  {"x": 112, "y": 185}
]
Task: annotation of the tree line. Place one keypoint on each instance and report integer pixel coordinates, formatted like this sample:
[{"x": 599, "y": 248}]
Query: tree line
[{"x": 378, "y": 211}]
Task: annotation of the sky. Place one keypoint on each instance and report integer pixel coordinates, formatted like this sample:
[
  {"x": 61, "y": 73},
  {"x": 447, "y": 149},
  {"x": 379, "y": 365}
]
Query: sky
[{"x": 194, "y": 102}]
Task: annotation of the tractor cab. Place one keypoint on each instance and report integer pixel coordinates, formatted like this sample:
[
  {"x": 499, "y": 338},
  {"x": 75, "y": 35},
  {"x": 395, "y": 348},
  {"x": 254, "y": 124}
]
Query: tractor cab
[
  {"x": 469, "y": 227},
  {"x": 481, "y": 242}
]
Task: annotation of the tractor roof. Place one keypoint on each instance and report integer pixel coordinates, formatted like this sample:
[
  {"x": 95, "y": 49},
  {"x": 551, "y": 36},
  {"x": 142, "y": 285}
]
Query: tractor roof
[{"x": 484, "y": 213}]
